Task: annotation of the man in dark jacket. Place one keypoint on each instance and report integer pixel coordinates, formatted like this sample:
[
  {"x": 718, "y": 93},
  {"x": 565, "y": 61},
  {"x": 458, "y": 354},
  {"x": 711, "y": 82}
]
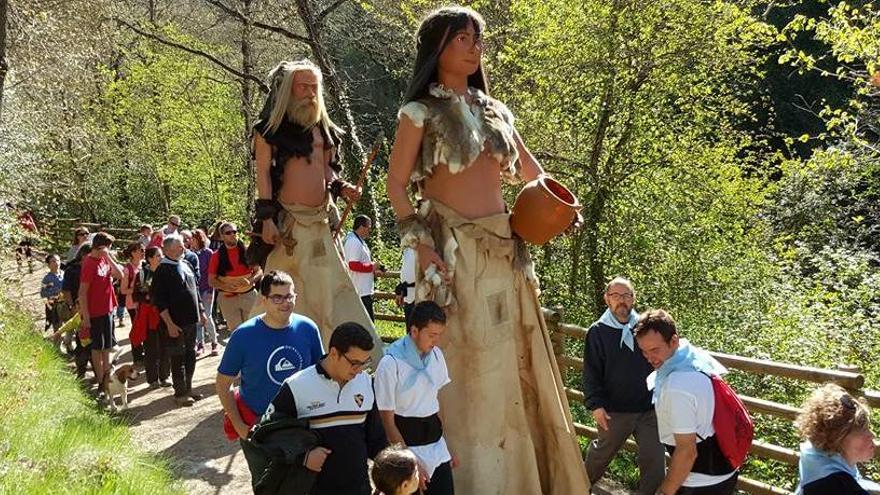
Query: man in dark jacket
[
  {"x": 283, "y": 443},
  {"x": 615, "y": 390},
  {"x": 176, "y": 295}
]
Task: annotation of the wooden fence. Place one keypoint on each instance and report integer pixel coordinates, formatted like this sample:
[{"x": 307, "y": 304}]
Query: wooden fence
[{"x": 849, "y": 379}]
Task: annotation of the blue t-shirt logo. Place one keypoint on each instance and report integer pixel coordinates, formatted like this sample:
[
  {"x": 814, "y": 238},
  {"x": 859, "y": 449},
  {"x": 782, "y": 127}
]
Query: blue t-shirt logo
[{"x": 283, "y": 362}]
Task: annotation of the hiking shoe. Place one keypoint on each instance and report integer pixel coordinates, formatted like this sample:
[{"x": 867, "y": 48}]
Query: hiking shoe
[
  {"x": 185, "y": 401},
  {"x": 164, "y": 383},
  {"x": 197, "y": 397},
  {"x": 214, "y": 349},
  {"x": 154, "y": 385}
]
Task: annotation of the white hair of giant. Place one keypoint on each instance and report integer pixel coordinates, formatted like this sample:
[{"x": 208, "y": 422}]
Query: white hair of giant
[{"x": 281, "y": 81}]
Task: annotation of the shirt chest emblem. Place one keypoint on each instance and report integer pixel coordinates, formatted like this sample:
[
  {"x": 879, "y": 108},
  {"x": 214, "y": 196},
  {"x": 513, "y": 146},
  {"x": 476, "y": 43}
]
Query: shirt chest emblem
[
  {"x": 315, "y": 404},
  {"x": 359, "y": 399}
]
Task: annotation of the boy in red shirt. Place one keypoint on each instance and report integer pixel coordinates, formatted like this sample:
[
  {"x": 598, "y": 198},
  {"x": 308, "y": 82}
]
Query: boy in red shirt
[{"x": 98, "y": 300}]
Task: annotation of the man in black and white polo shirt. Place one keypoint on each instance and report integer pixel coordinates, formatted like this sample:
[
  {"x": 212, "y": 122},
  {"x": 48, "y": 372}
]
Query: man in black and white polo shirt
[
  {"x": 336, "y": 397},
  {"x": 407, "y": 382}
]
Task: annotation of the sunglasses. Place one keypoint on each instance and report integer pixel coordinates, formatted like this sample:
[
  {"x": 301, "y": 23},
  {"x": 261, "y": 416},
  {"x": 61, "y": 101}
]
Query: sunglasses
[{"x": 230, "y": 232}]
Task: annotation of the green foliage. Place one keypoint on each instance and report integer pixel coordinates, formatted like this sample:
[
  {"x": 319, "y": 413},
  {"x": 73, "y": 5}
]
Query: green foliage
[
  {"x": 54, "y": 438},
  {"x": 658, "y": 115}
]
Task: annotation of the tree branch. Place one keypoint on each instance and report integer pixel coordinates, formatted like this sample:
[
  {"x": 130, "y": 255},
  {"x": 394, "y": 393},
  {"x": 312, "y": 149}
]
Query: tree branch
[
  {"x": 330, "y": 9},
  {"x": 263, "y": 87},
  {"x": 546, "y": 155},
  {"x": 268, "y": 27}
]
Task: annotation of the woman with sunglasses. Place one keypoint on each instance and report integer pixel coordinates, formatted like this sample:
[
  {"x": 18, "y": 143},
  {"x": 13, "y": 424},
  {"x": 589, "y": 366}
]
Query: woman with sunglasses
[{"x": 837, "y": 430}]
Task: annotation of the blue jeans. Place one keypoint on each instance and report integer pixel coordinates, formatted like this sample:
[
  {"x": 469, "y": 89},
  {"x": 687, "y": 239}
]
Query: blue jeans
[{"x": 208, "y": 303}]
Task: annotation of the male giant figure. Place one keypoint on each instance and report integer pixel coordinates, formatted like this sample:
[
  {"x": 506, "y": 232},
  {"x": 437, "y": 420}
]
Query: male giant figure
[{"x": 296, "y": 153}]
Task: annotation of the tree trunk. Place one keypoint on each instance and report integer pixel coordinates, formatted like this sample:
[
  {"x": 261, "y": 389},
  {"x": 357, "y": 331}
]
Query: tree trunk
[
  {"x": 4, "y": 64},
  {"x": 339, "y": 92},
  {"x": 594, "y": 258},
  {"x": 247, "y": 92}
]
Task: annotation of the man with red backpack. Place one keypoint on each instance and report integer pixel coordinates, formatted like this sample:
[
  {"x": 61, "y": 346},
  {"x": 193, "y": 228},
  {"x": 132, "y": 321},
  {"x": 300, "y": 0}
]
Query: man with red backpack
[{"x": 701, "y": 422}]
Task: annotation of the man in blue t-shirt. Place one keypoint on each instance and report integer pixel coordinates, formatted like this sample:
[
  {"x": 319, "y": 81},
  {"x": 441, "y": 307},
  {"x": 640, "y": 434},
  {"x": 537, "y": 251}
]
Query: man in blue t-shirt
[{"x": 264, "y": 350}]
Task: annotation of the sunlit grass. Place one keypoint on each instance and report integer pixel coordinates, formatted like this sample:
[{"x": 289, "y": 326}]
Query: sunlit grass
[{"x": 53, "y": 438}]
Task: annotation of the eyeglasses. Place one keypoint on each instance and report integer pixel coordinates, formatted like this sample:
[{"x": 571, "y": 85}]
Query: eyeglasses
[
  {"x": 278, "y": 298},
  {"x": 847, "y": 402},
  {"x": 358, "y": 364},
  {"x": 230, "y": 232},
  {"x": 618, "y": 295}
]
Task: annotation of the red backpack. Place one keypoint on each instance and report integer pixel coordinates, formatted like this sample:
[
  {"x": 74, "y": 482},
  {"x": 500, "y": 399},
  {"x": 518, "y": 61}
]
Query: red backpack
[{"x": 734, "y": 428}]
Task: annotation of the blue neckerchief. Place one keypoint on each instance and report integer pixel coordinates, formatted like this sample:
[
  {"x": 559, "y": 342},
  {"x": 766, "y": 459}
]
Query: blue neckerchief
[
  {"x": 181, "y": 269},
  {"x": 685, "y": 358},
  {"x": 405, "y": 350},
  {"x": 626, "y": 329},
  {"x": 816, "y": 464}
]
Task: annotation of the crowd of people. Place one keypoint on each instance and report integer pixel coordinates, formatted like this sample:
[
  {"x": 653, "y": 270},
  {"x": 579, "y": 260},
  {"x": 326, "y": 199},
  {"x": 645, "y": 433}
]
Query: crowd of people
[{"x": 470, "y": 399}]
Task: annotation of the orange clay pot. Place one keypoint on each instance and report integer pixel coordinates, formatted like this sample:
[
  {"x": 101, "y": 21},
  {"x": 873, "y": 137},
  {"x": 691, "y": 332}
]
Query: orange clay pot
[{"x": 543, "y": 210}]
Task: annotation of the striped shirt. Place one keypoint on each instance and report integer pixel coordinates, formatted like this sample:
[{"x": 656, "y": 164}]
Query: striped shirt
[{"x": 345, "y": 419}]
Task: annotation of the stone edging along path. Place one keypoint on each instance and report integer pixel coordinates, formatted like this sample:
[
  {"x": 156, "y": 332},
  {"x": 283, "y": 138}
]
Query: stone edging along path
[{"x": 191, "y": 438}]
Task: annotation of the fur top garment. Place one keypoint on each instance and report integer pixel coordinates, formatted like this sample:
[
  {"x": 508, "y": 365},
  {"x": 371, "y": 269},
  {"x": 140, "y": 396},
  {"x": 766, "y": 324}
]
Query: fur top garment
[{"x": 455, "y": 132}]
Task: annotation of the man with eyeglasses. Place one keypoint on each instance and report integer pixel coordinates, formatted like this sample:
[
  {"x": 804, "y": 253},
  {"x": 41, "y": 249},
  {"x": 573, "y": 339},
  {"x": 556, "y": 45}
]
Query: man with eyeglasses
[
  {"x": 615, "y": 390},
  {"x": 265, "y": 350},
  {"x": 335, "y": 397},
  {"x": 229, "y": 273}
]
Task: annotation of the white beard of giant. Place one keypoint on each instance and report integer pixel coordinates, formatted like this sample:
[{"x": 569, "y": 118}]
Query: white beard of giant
[{"x": 304, "y": 112}]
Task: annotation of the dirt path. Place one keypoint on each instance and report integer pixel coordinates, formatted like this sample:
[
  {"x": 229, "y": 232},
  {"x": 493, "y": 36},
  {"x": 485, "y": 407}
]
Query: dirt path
[{"x": 190, "y": 437}]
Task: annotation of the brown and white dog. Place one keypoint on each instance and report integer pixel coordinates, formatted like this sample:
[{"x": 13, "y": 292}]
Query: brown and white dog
[{"x": 116, "y": 383}]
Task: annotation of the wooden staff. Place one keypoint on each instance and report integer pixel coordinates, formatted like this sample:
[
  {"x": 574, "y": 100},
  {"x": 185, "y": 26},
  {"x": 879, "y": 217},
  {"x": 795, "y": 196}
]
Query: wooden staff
[{"x": 360, "y": 183}]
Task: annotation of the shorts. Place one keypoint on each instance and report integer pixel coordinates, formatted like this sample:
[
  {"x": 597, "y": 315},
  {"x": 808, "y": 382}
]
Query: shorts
[{"x": 101, "y": 333}]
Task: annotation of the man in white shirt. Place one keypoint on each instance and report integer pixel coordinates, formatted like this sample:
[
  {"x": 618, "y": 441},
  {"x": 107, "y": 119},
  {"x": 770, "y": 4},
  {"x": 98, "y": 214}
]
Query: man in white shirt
[
  {"x": 407, "y": 382},
  {"x": 360, "y": 263},
  {"x": 405, "y": 292},
  {"x": 685, "y": 403}
]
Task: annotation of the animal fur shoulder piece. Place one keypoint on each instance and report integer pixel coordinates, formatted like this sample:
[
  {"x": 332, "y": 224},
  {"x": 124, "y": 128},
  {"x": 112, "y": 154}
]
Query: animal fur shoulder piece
[{"x": 455, "y": 132}]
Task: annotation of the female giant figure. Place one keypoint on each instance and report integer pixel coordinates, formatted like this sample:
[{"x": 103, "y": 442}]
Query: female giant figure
[{"x": 506, "y": 417}]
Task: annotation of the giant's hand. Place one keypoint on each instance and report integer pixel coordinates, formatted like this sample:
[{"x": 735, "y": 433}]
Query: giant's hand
[{"x": 427, "y": 256}]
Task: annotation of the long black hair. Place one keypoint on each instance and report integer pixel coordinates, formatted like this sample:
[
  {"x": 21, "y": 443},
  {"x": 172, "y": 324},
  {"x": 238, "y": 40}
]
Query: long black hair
[{"x": 435, "y": 33}]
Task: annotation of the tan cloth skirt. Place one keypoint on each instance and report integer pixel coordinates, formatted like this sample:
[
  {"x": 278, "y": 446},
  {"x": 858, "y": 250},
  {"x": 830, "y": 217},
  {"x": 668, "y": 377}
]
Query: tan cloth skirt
[{"x": 506, "y": 414}]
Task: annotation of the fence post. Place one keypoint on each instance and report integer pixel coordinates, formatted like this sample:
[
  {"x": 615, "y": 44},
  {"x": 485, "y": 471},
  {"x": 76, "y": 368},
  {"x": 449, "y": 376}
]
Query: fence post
[{"x": 556, "y": 337}]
